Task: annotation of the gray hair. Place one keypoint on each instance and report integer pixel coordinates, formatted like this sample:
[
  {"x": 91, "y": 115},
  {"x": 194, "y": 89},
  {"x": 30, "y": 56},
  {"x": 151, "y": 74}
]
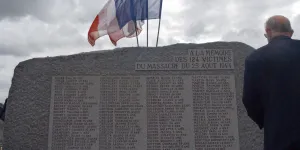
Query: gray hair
[{"x": 279, "y": 26}]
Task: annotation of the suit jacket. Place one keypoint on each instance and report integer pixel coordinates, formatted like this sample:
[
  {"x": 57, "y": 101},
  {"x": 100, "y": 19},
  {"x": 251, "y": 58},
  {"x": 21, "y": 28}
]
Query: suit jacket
[{"x": 271, "y": 93}]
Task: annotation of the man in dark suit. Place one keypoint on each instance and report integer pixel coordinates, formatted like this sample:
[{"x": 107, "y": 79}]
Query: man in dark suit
[{"x": 271, "y": 93}]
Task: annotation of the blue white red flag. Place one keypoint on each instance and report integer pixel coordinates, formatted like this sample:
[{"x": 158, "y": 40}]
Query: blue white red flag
[{"x": 123, "y": 18}]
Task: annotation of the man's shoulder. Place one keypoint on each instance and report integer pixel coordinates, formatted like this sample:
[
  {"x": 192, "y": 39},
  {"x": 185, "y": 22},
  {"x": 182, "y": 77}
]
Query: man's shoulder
[
  {"x": 262, "y": 49},
  {"x": 296, "y": 42},
  {"x": 273, "y": 51}
]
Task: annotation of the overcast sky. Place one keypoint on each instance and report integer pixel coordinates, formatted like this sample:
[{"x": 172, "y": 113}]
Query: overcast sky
[{"x": 39, "y": 28}]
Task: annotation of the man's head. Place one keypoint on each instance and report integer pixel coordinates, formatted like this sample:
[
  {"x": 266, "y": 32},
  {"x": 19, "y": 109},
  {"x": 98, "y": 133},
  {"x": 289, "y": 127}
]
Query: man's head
[{"x": 278, "y": 25}]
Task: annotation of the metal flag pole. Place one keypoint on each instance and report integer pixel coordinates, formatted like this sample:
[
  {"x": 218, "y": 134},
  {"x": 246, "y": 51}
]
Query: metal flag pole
[
  {"x": 133, "y": 15},
  {"x": 159, "y": 22},
  {"x": 137, "y": 38},
  {"x": 158, "y": 33},
  {"x": 147, "y": 21},
  {"x": 147, "y": 31}
]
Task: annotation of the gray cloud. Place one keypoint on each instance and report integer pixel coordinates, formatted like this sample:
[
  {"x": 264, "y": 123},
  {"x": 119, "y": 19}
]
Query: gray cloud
[
  {"x": 33, "y": 36},
  {"x": 16, "y": 8},
  {"x": 2, "y": 66},
  {"x": 195, "y": 29},
  {"x": 64, "y": 24},
  {"x": 51, "y": 11},
  {"x": 253, "y": 37},
  {"x": 54, "y": 25},
  {"x": 11, "y": 50},
  {"x": 237, "y": 20},
  {"x": 4, "y": 84}
]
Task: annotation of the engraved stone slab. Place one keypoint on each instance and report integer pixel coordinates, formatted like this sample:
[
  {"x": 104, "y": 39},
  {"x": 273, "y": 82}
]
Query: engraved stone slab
[
  {"x": 143, "y": 112},
  {"x": 183, "y": 96}
]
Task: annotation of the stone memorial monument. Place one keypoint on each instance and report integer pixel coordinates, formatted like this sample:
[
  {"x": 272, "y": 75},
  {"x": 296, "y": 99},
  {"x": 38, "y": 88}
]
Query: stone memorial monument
[{"x": 177, "y": 97}]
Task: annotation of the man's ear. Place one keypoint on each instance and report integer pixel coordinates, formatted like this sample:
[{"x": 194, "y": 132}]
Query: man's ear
[
  {"x": 292, "y": 32},
  {"x": 268, "y": 30}
]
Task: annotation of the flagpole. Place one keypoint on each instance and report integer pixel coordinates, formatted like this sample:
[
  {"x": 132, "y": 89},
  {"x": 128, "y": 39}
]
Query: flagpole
[
  {"x": 158, "y": 32},
  {"x": 147, "y": 21},
  {"x": 147, "y": 31},
  {"x": 137, "y": 38},
  {"x": 133, "y": 16},
  {"x": 159, "y": 22}
]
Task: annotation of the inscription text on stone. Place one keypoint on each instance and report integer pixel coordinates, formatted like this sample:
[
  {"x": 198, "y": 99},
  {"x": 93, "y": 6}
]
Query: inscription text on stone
[{"x": 197, "y": 59}]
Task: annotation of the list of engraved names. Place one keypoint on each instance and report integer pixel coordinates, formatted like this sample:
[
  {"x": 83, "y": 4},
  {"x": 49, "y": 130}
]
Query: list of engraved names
[
  {"x": 120, "y": 113},
  {"x": 73, "y": 123},
  {"x": 143, "y": 113},
  {"x": 169, "y": 113}
]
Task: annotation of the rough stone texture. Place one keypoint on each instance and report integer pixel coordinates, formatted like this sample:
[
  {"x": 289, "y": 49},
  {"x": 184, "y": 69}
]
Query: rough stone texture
[
  {"x": 1, "y": 132},
  {"x": 26, "y": 124},
  {"x": 1, "y": 127}
]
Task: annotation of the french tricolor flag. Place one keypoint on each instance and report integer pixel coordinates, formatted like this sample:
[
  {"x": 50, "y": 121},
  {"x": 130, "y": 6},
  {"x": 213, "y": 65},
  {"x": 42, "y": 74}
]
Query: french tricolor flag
[{"x": 123, "y": 18}]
